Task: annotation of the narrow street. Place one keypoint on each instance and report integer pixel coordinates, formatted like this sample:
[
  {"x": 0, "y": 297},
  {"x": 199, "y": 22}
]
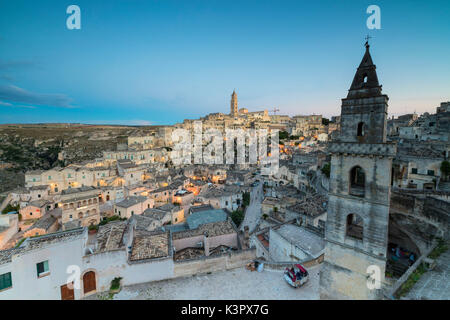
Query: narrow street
[{"x": 253, "y": 212}]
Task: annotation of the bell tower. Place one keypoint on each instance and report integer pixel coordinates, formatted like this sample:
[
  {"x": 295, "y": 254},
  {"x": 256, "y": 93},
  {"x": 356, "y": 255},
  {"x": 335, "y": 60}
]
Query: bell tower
[
  {"x": 356, "y": 233},
  {"x": 234, "y": 105}
]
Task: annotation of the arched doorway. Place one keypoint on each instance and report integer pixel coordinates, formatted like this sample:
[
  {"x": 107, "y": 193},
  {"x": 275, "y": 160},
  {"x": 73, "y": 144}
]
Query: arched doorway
[{"x": 89, "y": 282}]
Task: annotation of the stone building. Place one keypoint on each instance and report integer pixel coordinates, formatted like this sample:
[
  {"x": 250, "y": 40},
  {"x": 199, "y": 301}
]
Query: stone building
[
  {"x": 80, "y": 207},
  {"x": 358, "y": 210}
]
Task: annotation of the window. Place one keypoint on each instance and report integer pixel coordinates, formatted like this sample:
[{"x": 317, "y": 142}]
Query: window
[
  {"x": 430, "y": 172},
  {"x": 42, "y": 268},
  {"x": 414, "y": 170},
  {"x": 132, "y": 213},
  {"x": 49, "y": 177},
  {"x": 361, "y": 129},
  {"x": 354, "y": 226},
  {"x": 357, "y": 182},
  {"x": 5, "y": 281},
  {"x": 69, "y": 175}
]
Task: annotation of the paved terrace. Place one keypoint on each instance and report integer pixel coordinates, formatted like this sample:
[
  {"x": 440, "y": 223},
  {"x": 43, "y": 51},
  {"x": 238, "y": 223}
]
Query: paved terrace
[
  {"x": 434, "y": 284},
  {"x": 238, "y": 284}
]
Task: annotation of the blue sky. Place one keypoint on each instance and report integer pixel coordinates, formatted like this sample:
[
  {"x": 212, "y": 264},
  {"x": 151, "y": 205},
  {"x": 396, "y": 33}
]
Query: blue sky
[{"x": 161, "y": 61}]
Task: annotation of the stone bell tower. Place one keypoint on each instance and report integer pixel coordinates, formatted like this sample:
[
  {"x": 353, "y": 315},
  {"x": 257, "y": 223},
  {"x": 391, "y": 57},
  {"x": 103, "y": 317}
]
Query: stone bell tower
[
  {"x": 234, "y": 104},
  {"x": 358, "y": 209}
]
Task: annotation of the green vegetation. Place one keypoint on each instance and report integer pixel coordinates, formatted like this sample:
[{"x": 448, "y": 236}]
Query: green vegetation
[
  {"x": 283, "y": 135},
  {"x": 421, "y": 269},
  {"x": 326, "y": 169},
  {"x": 294, "y": 137},
  {"x": 115, "y": 284},
  {"x": 246, "y": 199},
  {"x": 440, "y": 249},
  {"x": 325, "y": 121},
  {"x": 445, "y": 169},
  {"x": 265, "y": 216},
  {"x": 109, "y": 219},
  {"x": 20, "y": 242},
  {"x": 237, "y": 217},
  {"x": 412, "y": 279},
  {"x": 10, "y": 208}
]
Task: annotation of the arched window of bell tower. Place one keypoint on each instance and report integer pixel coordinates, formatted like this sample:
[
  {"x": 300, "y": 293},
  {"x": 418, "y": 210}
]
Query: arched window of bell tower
[
  {"x": 357, "y": 182},
  {"x": 354, "y": 226},
  {"x": 365, "y": 78},
  {"x": 361, "y": 129}
]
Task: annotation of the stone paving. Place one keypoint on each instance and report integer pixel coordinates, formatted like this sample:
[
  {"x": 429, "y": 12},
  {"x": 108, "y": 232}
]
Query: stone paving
[
  {"x": 253, "y": 212},
  {"x": 239, "y": 284},
  {"x": 434, "y": 284}
]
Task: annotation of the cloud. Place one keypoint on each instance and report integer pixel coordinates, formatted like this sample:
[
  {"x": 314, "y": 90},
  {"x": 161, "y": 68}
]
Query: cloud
[
  {"x": 16, "y": 94},
  {"x": 7, "y": 104}
]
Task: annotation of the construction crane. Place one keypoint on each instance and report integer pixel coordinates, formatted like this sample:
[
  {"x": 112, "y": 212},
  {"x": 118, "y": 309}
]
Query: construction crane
[{"x": 275, "y": 110}]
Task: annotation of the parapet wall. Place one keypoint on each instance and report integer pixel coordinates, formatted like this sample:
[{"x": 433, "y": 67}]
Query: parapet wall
[
  {"x": 213, "y": 263},
  {"x": 307, "y": 263},
  {"x": 369, "y": 149}
]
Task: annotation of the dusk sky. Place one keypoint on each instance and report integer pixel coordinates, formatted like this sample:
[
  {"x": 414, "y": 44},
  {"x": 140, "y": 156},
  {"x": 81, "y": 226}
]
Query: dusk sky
[{"x": 161, "y": 61}]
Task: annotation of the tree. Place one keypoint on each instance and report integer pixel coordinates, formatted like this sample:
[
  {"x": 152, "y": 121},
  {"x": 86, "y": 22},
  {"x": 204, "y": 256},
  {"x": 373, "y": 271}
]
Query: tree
[
  {"x": 445, "y": 168},
  {"x": 237, "y": 217},
  {"x": 10, "y": 208},
  {"x": 325, "y": 121},
  {"x": 246, "y": 198},
  {"x": 283, "y": 135},
  {"x": 326, "y": 169}
]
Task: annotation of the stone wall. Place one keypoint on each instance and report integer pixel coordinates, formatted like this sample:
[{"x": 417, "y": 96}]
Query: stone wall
[
  {"x": 421, "y": 217},
  {"x": 214, "y": 263},
  {"x": 344, "y": 274}
]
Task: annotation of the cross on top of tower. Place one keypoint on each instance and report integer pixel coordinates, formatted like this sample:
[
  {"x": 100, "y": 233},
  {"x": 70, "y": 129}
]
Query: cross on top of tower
[{"x": 367, "y": 40}]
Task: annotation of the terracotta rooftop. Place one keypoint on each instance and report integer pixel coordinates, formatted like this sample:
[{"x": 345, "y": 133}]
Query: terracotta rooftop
[
  {"x": 110, "y": 235},
  {"x": 312, "y": 205},
  {"x": 149, "y": 245},
  {"x": 212, "y": 229}
]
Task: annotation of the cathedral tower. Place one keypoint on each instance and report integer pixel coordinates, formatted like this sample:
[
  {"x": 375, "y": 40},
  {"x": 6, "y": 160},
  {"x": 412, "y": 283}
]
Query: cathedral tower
[
  {"x": 358, "y": 209},
  {"x": 234, "y": 105}
]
